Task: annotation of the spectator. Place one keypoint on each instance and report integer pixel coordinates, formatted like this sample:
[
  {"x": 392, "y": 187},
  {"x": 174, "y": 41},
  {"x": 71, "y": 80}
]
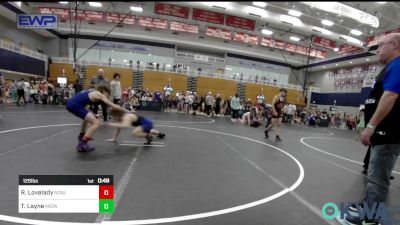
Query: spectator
[
  {"x": 21, "y": 90},
  {"x": 115, "y": 88},
  {"x": 218, "y": 101},
  {"x": 96, "y": 81},
  {"x": 291, "y": 109},
  {"x": 209, "y": 103},
  {"x": 235, "y": 106},
  {"x": 50, "y": 91},
  {"x": 77, "y": 86}
]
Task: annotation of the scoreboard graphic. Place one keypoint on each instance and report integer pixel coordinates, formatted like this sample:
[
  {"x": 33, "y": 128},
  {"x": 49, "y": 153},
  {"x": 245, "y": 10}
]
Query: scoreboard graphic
[{"x": 66, "y": 194}]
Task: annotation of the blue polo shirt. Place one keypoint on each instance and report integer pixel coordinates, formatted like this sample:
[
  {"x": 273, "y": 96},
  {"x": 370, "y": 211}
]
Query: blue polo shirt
[{"x": 391, "y": 82}]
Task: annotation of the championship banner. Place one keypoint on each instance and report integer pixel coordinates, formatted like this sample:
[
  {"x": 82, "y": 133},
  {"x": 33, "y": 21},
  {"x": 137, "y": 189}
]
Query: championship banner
[
  {"x": 323, "y": 42},
  {"x": 184, "y": 27},
  {"x": 240, "y": 22},
  {"x": 346, "y": 49},
  {"x": 171, "y": 10},
  {"x": 208, "y": 16},
  {"x": 153, "y": 22},
  {"x": 246, "y": 38},
  {"x": 219, "y": 33}
]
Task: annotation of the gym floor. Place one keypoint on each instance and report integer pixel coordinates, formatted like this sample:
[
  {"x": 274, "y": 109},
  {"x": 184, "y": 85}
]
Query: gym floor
[{"x": 210, "y": 171}]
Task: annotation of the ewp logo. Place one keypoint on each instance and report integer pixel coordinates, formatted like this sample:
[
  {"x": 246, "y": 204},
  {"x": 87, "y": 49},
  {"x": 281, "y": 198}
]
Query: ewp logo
[
  {"x": 376, "y": 211},
  {"x": 29, "y": 21}
]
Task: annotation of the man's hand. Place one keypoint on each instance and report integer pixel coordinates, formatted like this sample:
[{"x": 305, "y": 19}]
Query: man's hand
[{"x": 366, "y": 136}]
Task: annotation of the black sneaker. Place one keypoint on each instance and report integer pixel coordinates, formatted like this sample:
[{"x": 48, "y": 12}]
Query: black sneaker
[
  {"x": 149, "y": 139},
  {"x": 266, "y": 134},
  {"x": 161, "y": 135},
  {"x": 353, "y": 207},
  {"x": 355, "y": 220},
  {"x": 277, "y": 138}
]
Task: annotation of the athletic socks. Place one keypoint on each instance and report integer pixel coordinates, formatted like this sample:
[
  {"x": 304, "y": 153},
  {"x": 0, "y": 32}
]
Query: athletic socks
[{"x": 81, "y": 136}]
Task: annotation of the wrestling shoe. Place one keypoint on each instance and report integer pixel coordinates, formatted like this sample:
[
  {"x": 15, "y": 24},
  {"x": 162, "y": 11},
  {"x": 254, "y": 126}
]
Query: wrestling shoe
[
  {"x": 266, "y": 134},
  {"x": 84, "y": 147},
  {"x": 277, "y": 138},
  {"x": 161, "y": 135},
  {"x": 149, "y": 139}
]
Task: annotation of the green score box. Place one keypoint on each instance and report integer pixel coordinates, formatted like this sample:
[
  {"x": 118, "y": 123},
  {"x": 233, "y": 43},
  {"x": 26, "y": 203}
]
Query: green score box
[{"x": 106, "y": 205}]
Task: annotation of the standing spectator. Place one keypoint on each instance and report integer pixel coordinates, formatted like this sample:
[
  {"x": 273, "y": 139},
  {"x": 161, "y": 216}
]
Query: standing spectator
[
  {"x": 157, "y": 96},
  {"x": 167, "y": 93},
  {"x": 35, "y": 92},
  {"x": 57, "y": 94},
  {"x": 77, "y": 86},
  {"x": 50, "y": 91},
  {"x": 382, "y": 110},
  {"x": 115, "y": 87},
  {"x": 14, "y": 91},
  {"x": 291, "y": 110},
  {"x": 209, "y": 103},
  {"x": 27, "y": 91},
  {"x": 218, "y": 101},
  {"x": 96, "y": 81},
  {"x": 235, "y": 106},
  {"x": 21, "y": 90}
]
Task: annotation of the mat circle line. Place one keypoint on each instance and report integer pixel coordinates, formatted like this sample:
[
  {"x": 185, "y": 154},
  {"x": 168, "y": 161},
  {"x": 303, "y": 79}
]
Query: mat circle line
[{"x": 170, "y": 219}]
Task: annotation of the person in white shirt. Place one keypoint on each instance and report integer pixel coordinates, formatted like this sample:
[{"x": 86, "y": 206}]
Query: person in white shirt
[
  {"x": 115, "y": 87},
  {"x": 291, "y": 109}
]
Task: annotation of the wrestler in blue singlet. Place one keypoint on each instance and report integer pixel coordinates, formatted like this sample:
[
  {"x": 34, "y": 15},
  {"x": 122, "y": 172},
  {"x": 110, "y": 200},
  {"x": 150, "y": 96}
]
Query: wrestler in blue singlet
[{"x": 77, "y": 104}]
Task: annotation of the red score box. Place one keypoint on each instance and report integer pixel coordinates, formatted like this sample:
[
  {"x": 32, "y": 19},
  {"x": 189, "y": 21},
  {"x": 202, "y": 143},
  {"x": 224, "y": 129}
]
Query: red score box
[{"x": 106, "y": 192}]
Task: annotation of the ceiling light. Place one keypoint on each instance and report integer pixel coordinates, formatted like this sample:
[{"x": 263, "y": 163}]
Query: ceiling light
[
  {"x": 356, "y": 32},
  {"x": 223, "y": 5},
  {"x": 336, "y": 49},
  {"x": 381, "y": 2},
  {"x": 19, "y": 4},
  {"x": 327, "y": 23},
  {"x": 322, "y": 30},
  {"x": 337, "y": 65},
  {"x": 347, "y": 11},
  {"x": 255, "y": 11},
  {"x": 352, "y": 40},
  {"x": 266, "y": 32},
  {"x": 127, "y": 64},
  {"x": 137, "y": 8},
  {"x": 293, "y": 38},
  {"x": 168, "y": 65},
  {"x": 95, "y": 4},
  {"x": 125, "y": 60},
  {"x": 324, "y": 67},
  {"x": 228, "y": 68},
  {"x": 367, "y": 59},
  {"x": 113, "y": 60},
  {"x": 350, "y": 62},
  {"x": 295, "y": 13},
  {"x": 260, "y": 4},
  {"x": 291, "y": 20},
  {"x": 149, "y": 54},
  {"x": 63, "y": 3}
]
